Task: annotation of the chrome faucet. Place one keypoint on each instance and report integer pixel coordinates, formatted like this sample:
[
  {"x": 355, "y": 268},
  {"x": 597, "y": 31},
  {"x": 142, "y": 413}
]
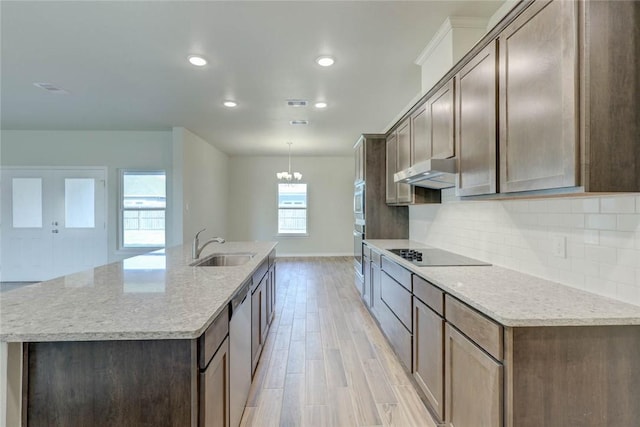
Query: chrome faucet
[{"x": 196, "y": 251}]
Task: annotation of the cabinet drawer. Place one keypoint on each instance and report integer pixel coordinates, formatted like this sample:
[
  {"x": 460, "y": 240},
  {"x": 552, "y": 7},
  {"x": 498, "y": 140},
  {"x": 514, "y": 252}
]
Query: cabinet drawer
[
  {"x": 485, "y": 332},
  {"x": 375, "y": 258},
  {"x": 399, "y": 273},
  {"x": 396, "y": 333},
  {"x": 215, "y": 334},
  {"x": 430, "y": 295},
  {"x": 398, "y": 299}
]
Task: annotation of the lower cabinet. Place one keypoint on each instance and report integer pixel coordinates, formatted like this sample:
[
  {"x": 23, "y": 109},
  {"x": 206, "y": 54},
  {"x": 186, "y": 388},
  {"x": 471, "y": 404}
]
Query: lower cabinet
[
  {"x": 428, "y": 355},
  {"x": 375, "y": 277},
  {"x": 271, "y": 294},
  {"x": 366, "y": 283},
  {"x": 473, "y": 383},
  {"x": 258, "y": 321},
  {"x": 214, "y": 389}
]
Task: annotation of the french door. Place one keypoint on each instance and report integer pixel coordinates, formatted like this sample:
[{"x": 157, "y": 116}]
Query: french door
[{"x": 53, "y": 222}]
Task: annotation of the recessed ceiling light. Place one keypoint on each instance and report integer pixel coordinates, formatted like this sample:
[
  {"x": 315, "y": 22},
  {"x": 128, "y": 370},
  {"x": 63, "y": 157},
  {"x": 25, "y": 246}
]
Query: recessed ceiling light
[
  {"x": 230, "y": 104},
  {"x": 321, "y": 105},
  {"x": 299, "y": 122},
  {"x": 325, "y": 61},
  {"x": 198, "y": 61}
]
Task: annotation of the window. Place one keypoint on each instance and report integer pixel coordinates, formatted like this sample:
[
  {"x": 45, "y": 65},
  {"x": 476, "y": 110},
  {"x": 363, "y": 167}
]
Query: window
[
  {"x": 292, "y": 209},
  {"x": 142, "y": 209}
]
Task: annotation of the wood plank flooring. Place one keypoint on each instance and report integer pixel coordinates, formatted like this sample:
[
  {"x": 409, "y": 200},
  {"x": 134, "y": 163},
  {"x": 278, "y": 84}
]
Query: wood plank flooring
[{"x": 325, "y": 362}]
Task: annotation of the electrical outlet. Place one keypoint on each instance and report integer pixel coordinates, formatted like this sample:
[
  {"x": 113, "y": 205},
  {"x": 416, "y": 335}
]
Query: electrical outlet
[{"x": 559, "y": 246}]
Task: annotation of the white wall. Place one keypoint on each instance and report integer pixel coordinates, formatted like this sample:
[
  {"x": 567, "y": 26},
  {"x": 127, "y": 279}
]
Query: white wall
[
  {"x": 204, "y": 181},
  {"x": 113, "y": 149},
  {"x": 253, "y": 203},
  {"x": 602, "y": 238}
]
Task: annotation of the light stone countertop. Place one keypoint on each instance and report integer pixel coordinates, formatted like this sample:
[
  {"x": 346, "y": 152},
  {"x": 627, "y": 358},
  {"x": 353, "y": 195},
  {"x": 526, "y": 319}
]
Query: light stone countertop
[
  {"x": 517, "y": 299},
  {"x": 152, "y": 296}
]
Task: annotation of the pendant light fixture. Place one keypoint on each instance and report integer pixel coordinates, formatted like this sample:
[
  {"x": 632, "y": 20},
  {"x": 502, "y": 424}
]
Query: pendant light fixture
[{"x": 288, "y": 176}]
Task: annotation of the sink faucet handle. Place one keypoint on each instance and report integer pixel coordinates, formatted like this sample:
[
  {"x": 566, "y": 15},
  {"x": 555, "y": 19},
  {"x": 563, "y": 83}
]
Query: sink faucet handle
[{"x": 198, "y": 233}]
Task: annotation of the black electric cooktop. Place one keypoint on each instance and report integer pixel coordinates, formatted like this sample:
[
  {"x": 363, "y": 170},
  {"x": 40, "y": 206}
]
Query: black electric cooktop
[{"x": 435, "y": 257}]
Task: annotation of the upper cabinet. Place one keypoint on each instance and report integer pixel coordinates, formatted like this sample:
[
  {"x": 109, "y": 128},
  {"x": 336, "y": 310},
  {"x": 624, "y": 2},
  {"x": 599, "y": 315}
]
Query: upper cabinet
[
  {"x": 359, "y": 161},
  {"x": 392, "y": 168},
  {"x": 538, "y": 98},
  {"x": 545, "y": 103},
  {"x": 476, "y": 124},
  {"x": 432, "y": 130},
  {"x": 441, "y": 111},
  {"x": 405, "y": 195}
]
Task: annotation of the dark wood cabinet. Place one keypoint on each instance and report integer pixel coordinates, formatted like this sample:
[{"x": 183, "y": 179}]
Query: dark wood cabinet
[
  {"x": 428, "y": 344},
  {"x": 473, "y": 383},
  {"x": 392, "y": 168},
  {"x": 441, "y": 111},
  {"x": 214, "y": 389},
  {"x": 258, "y": 321},
  {"x": 476, "y": 124},
  {"x": 270, "y": 294},
  {"x": 421, "y": 134},
  {"x": 538, "y": 98},
  {"x": 404, "y": 191}
]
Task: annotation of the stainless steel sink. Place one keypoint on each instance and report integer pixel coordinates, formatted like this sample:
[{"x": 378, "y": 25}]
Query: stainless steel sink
[{"x": 224, "y": 260}]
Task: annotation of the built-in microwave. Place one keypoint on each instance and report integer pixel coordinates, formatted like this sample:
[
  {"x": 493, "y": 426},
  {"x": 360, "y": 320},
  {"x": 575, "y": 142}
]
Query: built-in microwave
[{"x": 358, "y": 201}]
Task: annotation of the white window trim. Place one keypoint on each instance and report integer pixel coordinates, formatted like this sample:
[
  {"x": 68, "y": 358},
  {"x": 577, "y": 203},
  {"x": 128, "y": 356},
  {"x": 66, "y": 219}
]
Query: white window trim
[
  {"x": 306, "y": 209},
  {"x": 138, "y": 249}
]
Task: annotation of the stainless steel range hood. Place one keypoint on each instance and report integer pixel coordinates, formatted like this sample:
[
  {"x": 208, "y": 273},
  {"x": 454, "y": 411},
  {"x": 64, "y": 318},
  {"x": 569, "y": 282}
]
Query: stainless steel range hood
[{"x": 432, "y": 173}]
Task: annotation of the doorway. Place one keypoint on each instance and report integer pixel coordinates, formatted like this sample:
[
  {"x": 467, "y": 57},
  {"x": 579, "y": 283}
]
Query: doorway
[{"x": 53, "y": 222}]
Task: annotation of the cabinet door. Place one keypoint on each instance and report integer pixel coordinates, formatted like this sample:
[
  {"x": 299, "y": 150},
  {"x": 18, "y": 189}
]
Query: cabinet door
[
  {"x": 421, "y": 134},
  {"x": 392, "y": 188},
  {"x": 405, "y": 192},
  {"x": 268, "y": 303},
  {"x": 538, "y": 80},
  {"x": 442, "y": 119},
  {"x": 473, "y": 384},
  {"x": 366, "y": 283},
  {"x": 273, "y": 293},
  {"x": 264, "y": 324},
  {"x": 214, "y": 390},
  {"x": 476, "y": 124},
  {"x": 359, "y": 161},
  {"x": 428, "y": 355},
  {"x": 376, "y": 298},
  {"x": 256, "y": 336}
]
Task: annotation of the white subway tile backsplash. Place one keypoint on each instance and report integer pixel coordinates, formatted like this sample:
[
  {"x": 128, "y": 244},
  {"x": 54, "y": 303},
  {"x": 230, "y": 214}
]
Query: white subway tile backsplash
[
  {"x": 617, "y": 239},
  {"x": 556, "y": 205},
  {"x": 628, "y": 222},
  {"x": 584, "y": 267},
  {"x": 628, "y": 293},
  {"x": 600, "y": 221},
  {"x": 628, "y": 257},
  {"x": 618, "y": 273},
  {"x": 585, "y": 205},
  {"x": 600, "y": 254},
  {"x": 625, "y": 204},
  {"x": 602, "y": 235}
]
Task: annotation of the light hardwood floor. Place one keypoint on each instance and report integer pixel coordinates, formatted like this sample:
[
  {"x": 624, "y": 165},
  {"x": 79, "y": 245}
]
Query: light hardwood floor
[{"x": 325, "y": 362}]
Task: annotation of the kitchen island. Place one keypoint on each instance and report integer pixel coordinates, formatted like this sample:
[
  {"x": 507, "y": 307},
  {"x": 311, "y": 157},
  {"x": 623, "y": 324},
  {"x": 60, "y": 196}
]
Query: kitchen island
[
  {"x": 126, "y": 343},
  {"x": 492, "y": 347}
]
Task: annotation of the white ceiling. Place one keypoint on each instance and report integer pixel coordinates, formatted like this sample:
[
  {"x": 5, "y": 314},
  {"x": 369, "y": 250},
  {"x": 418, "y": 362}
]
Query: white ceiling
[{"x": 124, "y": 64}]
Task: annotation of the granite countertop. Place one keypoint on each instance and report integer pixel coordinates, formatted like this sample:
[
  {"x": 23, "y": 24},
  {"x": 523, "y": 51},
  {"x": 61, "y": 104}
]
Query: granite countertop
[
  {"x": 517, "y": 299},
  {"x": 153, "y": 296}
]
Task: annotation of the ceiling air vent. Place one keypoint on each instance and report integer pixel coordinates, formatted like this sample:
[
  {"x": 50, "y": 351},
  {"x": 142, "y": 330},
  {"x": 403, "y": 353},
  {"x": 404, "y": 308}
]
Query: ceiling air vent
[
  {"x": 299, "y": 122},
  {"x": 296, "y": 103},
  {"x": 51, "y": 88}
]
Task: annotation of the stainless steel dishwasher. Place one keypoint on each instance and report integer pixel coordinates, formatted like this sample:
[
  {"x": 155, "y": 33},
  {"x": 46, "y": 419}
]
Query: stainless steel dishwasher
[{"x": 239, "y": 353}]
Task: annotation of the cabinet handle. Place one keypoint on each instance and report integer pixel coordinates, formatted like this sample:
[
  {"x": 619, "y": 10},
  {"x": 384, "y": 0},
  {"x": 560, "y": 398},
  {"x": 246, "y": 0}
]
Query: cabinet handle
[{"x": 55, "y": 231}]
